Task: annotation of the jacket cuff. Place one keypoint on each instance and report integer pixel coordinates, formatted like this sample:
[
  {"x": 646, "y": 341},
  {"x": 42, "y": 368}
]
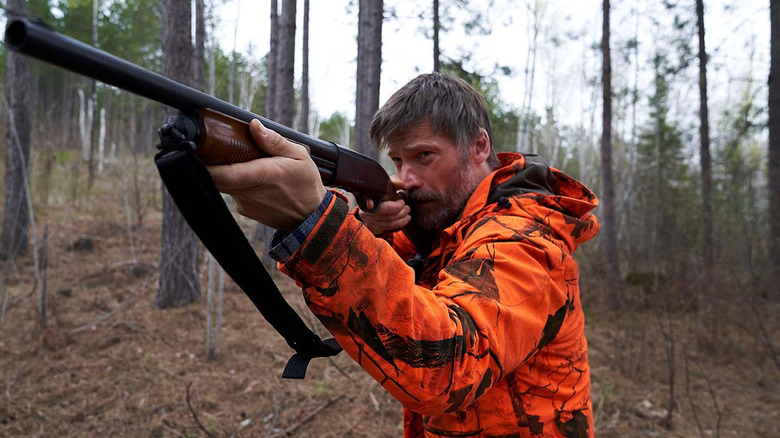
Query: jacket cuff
[{"x": 284, "y": 245}]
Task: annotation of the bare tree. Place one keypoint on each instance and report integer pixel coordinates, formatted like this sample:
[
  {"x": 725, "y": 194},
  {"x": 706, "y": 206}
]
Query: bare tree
[
  {"x": 16, "y": 216},
  {"x": 524, "y": 118},
  {"x": 436, "y": 29},
  {"x": 94, "y": 119},
  {"x": 369, "y": 67},
  {"x": 608, "y": 198},
  {"x": 233, "y": 59},
  {"x": 270, "y": 98},
  {"x": 199, "y": 62},
  {"x": 774, "y": 146},
  {"x": 280, "y": 92},
  {"x": 179, "y": 284},
  {"x": 303, "y": 120},
  {"x": 285, "y": 67},
  {"x": 708, "y": 230}
]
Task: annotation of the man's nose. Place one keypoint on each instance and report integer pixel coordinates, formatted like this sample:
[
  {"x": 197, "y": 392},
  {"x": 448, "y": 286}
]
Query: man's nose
[{"x": 409, "y": 178}]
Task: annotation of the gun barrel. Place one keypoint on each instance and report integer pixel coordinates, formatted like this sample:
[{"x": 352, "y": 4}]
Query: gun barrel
[{"x": 39, "y": 41}]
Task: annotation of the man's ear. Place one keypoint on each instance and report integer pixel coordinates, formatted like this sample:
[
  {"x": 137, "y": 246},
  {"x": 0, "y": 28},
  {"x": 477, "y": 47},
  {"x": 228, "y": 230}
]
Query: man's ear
[{"x": 482, "y": 147}]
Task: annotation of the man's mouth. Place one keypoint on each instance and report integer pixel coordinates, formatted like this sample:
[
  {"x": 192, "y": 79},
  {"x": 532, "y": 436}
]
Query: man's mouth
[{"x": 418, "y": 199}]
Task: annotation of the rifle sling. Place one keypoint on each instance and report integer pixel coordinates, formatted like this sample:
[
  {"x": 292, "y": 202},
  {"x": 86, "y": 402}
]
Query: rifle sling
[{"x": 202, "y": 206}]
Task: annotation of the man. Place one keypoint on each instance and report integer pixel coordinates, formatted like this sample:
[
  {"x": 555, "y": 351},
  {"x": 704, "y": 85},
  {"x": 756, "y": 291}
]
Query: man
[{"x": 487, "y": 337}]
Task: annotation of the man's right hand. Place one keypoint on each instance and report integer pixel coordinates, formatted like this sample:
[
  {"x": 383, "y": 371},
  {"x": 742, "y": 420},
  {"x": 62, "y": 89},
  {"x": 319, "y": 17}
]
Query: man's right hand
[{"x": 388, "y": 216}]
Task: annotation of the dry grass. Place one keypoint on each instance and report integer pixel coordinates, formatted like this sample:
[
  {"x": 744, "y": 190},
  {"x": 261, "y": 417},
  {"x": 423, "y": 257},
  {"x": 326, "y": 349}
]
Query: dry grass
[{"x": 130, "y": 373}]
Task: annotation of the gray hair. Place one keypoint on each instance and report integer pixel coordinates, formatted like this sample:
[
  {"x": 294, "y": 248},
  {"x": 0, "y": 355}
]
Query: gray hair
[{"x": 449, "y": 104}]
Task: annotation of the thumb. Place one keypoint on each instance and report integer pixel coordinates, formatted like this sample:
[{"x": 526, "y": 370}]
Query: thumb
[{"x": 271, "y": 142}]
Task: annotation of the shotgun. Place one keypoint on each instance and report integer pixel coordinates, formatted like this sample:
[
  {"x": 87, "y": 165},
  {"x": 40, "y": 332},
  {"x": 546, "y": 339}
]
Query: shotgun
[
  {"x": 211, "y": 131},
  {"x": 218, "y": 130}
]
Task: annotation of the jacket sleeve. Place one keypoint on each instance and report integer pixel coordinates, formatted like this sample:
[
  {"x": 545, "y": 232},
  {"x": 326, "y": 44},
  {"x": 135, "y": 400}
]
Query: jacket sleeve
[{"x": 436, "y": 350}]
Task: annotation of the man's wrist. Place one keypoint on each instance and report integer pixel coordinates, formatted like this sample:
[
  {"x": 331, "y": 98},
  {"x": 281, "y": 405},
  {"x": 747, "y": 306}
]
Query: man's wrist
[{"x": 284, "y": 245}]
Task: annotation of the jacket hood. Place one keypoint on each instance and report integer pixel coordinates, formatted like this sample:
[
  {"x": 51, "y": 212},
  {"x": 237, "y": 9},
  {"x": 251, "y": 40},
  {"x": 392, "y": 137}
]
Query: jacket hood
[{"x": 526, "y": 183}]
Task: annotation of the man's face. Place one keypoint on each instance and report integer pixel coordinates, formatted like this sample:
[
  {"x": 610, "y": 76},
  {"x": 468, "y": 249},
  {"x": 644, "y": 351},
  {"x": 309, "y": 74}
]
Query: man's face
[{"x": 437, "y": 177}]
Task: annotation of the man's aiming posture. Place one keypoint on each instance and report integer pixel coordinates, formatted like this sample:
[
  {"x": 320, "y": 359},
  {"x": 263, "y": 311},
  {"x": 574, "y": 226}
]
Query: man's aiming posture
[{"x": 485, "y": 337}]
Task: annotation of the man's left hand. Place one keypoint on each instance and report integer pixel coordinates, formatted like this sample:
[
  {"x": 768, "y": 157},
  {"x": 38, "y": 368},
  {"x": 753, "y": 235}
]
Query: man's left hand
[{"x": 281, "y": 190}]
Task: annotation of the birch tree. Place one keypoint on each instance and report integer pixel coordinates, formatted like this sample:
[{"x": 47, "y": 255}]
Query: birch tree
[{"x": 94, "y": 120}]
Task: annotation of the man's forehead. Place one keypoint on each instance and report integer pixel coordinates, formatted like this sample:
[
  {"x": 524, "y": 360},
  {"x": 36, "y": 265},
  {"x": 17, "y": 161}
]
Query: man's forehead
[
  {"x": 412, "y": 130},
  {"x": 421, "y": 137},
  {"x": 422, "y": 132}
]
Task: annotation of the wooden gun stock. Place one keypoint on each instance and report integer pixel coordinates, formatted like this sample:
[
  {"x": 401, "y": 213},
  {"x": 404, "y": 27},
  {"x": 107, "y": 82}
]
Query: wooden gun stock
[{"x": 225, "y": 140}]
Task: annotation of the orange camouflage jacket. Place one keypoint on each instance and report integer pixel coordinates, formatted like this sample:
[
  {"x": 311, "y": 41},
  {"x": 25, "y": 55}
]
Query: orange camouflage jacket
[{"x": 489, "y": 340}]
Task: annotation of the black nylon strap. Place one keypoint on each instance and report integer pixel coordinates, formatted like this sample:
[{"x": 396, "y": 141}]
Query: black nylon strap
[
  {"x": 193, "y": 191},
  {"x": 296, "y": 366}
]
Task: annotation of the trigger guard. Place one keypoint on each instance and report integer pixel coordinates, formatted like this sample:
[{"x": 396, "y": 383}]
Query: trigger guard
[
  {"x": 365, "y": 208},
  {"x": 362, "y": 202}
]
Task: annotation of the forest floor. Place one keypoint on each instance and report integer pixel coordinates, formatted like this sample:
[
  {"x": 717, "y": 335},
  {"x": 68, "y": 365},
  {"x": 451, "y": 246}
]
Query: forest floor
[{"x": 111, "y": 364}]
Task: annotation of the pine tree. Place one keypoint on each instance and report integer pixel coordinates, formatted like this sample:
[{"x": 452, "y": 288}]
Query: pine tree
[
  {"x": 16, "y": 216},
  {"x": 179, "y": 283}
]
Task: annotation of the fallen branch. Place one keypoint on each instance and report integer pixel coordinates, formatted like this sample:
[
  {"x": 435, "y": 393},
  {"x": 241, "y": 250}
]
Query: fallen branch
[
  {"x": 195, "y": 415},
  {"x": 307, "y": 418},
  {"x": 12, "y": 380}
]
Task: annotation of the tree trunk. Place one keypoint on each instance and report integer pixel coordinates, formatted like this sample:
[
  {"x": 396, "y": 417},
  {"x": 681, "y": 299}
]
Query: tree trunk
[
  {"x": 303, "y": 124},
  {"x": 179, "y": 284},
  {"x": 523, "y": 121},
  {"x": 282, "y": 92},
  {"x": 609, "y": 231},
  {"x": 65, "y": 113},
  {"x": 262, "y": 232},
  {"x": 16, "y": 215},
  {"x": 708, "y": 231},
  {"x": 233, "y": 59},
  {"x": 369, "y": 67},
  {"x": 436, "y": 29},
  {"x": 774, "y": 148},
  {"x": 199, "y": 62},
  {"x": 273, "y": 56},
  {"x": 285, "y": 76},
  {"x": 93, "y": 117}
]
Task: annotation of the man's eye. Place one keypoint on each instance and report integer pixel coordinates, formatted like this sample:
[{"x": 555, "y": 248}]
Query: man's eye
[{"x": 426, "y": 154}]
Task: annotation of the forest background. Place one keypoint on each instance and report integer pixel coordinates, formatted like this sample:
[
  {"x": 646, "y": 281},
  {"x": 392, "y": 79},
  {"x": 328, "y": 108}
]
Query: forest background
[{"x": 108, "y": 326}]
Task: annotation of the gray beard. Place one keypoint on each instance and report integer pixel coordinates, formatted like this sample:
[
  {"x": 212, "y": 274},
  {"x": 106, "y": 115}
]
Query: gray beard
[
  {"x": 450, "y": 205},
  {"x": 441, "y": 218}
]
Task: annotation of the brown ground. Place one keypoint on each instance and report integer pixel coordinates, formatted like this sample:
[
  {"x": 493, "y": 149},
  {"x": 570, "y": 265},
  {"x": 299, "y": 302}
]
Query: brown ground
[{"x": 111, "y": 364}]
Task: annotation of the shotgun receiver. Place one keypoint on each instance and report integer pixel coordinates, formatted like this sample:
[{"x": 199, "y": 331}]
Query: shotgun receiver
[{"x": 218, "y": 130}]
